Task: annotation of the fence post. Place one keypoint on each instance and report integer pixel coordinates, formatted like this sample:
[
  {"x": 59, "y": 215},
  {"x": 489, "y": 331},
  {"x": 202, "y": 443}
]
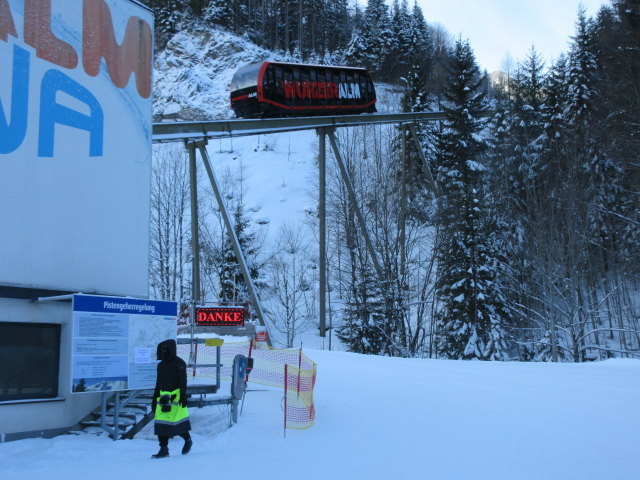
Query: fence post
[
  {"x": 249, "y": 356},
  {"x": 195, "y": 358},
  {"x": 116, "y": 416},
  {"x": 218, "y": 368},
  {"x": 299, "y": 369},
  {"x": 286, "y": 374}
]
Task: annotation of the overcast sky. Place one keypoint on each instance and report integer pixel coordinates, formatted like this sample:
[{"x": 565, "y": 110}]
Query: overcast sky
[{"x": 495, "y": 27}]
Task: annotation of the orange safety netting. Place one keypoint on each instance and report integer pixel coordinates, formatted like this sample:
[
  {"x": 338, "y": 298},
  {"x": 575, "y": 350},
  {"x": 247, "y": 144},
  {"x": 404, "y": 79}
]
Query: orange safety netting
[
  {"x": 299, "y": 411},
  {"x": 268, "y": 369}
]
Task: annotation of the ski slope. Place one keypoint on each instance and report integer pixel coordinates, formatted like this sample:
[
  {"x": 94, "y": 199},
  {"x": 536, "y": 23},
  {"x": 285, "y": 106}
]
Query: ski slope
[{"x": 388, "y": 418}]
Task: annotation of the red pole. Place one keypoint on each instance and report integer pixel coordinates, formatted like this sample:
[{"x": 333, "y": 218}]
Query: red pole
[
  {"x": 286, "y": 374},
  {"x": 299, "y": 367}
]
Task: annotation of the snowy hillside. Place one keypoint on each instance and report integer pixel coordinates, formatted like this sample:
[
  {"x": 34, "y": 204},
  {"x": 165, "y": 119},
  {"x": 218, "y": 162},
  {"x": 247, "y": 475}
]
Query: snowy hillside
[
  {"x": 192, "y": 75},
  {"x": 388, "y": 418}
]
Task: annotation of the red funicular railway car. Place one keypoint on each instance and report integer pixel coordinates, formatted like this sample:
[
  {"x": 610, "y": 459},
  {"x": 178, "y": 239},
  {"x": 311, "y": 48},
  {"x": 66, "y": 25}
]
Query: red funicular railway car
[{"x": 275, "y": 89}]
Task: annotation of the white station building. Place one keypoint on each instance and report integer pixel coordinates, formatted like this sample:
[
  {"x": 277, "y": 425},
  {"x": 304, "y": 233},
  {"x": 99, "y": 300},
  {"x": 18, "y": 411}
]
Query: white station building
[{"x": 75, "y": 170}]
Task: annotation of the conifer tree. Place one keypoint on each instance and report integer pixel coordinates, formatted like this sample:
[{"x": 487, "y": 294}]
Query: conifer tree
[
  {"x": 617, "y": 35},
  {"x": 581, "y": 74},
  {"x": 421, "y": 41},
  {"x": 555, "y": 93},
  {"x": 399, "y": 53},
  {"x": 525, "y": 128},
  {"x": 364, "y": 327},
  {"x": 598, "y": 179},
  {"x": 472, "y": 306},
  {"x": 168, "y": 14},
  {"x": 337, "y": 25},
  {"x": 355, "y": 50},
  {"x": 516, "y": 162},
  {"x": 415, "y": 98},
  {"x": 376, "y": 36},
  {"x": 219, "y": 12},
  {"x": 233, "y": 287}
]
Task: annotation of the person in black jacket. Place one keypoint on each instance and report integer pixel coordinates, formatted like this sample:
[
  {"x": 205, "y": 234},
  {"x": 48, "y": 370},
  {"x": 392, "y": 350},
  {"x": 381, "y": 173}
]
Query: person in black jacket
[{"x": 169, "y": 402}]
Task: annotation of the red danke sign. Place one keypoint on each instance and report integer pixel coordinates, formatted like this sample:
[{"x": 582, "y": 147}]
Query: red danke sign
[{"x": 219, "y": 317}]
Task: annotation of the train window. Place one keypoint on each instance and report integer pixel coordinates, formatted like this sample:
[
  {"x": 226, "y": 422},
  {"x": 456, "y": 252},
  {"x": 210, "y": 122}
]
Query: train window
[
  {"x": 334, "y": 78},
  {"x": 351, "y": 87},
  {"x": 246, "y": 77},
  {"x": 304, "y": 80},
  {"x": 277, "y": 92},
  {"x": 271, "y": 78},
  {"x": 288, "y": 79},
  {"x": 362, "y": 83},
  {"x": 320, "y": 77},
  {"x": 268, "y": 83}
]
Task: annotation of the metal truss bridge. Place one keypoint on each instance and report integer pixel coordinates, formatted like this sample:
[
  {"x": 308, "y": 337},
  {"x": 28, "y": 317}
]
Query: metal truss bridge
[{"x": 195, "y": 136}]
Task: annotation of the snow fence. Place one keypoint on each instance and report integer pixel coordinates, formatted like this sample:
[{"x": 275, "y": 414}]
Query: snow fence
[{"x": 288, "y": 369}]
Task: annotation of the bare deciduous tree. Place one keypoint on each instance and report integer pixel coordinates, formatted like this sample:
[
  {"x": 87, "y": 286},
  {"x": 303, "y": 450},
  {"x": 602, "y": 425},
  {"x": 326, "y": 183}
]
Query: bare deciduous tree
[
  {"x": 290, "y": 272},
  {"x": 169, "y": 249}
]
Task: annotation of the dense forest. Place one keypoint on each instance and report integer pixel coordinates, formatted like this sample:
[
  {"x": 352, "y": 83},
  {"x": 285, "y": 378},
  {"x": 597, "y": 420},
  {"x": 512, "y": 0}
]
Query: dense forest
[
  {"x": 388, "y": 41},
  {"x": 528, "y": 247}
]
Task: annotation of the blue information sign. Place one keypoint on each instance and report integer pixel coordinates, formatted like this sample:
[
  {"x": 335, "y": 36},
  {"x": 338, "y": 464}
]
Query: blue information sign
[{"x": 114, "y": 341}]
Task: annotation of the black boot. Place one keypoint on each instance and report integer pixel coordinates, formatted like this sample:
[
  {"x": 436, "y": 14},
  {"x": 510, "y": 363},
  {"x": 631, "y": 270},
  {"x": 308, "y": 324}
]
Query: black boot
[
  {"x": 188, "y": 443},
  {"x": 163, "y": 452}
]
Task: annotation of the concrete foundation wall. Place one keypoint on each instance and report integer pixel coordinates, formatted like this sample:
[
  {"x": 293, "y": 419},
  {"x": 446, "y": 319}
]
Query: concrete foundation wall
[{"x": 49, "y": 417}]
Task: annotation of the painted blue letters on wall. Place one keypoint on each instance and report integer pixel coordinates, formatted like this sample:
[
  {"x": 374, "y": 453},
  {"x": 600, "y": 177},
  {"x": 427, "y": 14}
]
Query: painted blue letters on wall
[
  {"x": 51, "y": 113},
  {"x": 13, "y": 129}
]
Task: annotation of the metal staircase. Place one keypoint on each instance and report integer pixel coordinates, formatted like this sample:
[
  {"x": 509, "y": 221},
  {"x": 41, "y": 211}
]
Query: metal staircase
[{"x": 121, "y": 414}]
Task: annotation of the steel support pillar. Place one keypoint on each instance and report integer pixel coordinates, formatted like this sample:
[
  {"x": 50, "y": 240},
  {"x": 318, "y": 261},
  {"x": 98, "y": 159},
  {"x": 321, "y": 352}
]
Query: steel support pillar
[
  {"x": 322, "y": 220},
  {"x": 403, "y": 203},
  {"x": 235, "y": 243},
  {"x": 195, "y": 242},
  {"x": 352, "y": 198},
  {"x": 195, "y": 236}
]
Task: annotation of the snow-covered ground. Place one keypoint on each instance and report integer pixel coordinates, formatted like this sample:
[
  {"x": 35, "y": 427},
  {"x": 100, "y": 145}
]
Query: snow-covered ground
[{"x": 388, "y": 418}]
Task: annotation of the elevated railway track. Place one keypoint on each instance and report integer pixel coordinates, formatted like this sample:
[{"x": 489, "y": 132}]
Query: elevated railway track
[
  {"x": 195, "y": 136},
  {"x": 210, "y": 129}
]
